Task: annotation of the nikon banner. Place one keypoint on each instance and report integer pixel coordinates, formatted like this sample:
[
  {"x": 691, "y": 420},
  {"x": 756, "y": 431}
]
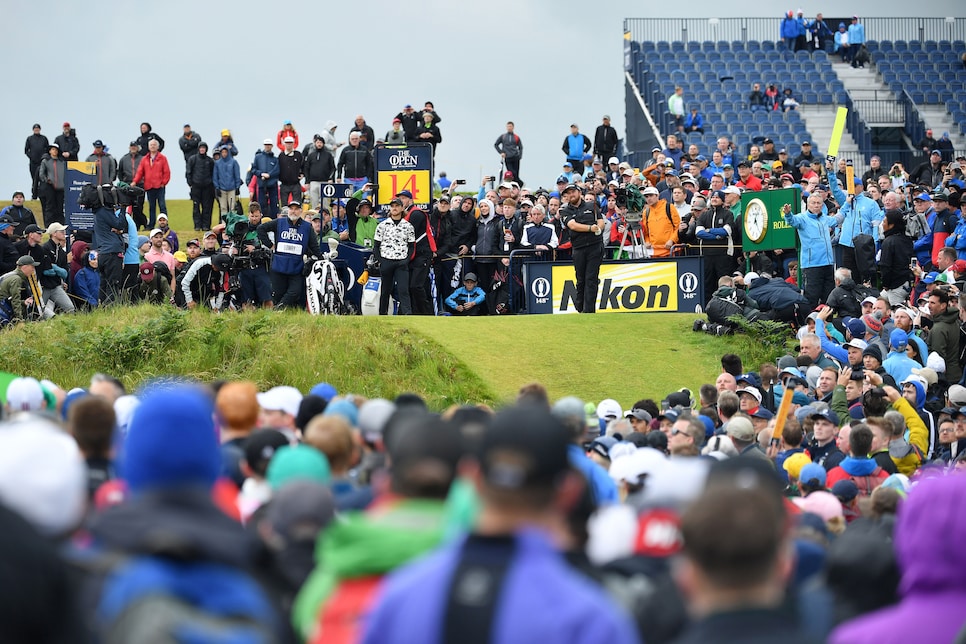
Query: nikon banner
[
  {"x": 79, "y": 173},
  {"x": 404, "y": 167},
  {"x": 672, "y": 285}
]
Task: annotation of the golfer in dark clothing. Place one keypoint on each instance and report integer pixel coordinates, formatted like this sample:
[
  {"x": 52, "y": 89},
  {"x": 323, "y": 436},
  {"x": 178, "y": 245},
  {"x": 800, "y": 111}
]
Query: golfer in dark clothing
[{"x": 585, "y": 224}]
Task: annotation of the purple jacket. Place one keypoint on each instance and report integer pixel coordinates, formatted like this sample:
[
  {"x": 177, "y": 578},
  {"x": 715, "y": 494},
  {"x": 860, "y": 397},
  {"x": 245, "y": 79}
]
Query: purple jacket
[
  {"x": 929, "y": 546},
  {"x": 542, "y": 600}
]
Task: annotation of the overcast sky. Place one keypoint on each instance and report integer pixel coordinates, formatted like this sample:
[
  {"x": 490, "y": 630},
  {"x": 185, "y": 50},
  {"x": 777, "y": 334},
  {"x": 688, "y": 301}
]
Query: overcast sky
[{"x": 105, "y": 66}]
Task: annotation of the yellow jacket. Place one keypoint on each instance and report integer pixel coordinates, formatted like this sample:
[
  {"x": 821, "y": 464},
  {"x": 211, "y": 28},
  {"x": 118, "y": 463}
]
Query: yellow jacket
[{"x": 918, "y": 436}]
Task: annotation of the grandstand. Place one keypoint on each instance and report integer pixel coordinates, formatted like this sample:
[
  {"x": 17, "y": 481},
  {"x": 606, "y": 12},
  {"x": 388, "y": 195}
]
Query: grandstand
[{"x": 915, "y": 80}]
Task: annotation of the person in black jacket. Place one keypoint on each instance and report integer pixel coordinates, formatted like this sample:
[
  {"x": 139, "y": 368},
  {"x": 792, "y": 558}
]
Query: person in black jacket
[
  {"x": 355, "y": 163},
  {"x": 318, "y": 167},
  {"x": 290, "y": 163},
  {"x": 8, "y": 252},
  {"x": 427, "y": 132},
  {"x": 147, "y": 135},
  {"x": 605, "y": 140},
  {"x": 844, "y": 299},
  {"x": 896, "y": 253},
  {"x": 68, "y": 143},
  {"x": 35, "y": 148},
  {"x": 199, "y": 171}
]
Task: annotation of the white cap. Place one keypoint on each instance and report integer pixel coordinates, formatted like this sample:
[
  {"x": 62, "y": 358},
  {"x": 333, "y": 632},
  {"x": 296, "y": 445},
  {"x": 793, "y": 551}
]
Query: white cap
[
  {"x": 286, "y": 399},
  {"x": 613, "y": 160},
  {"x": 751, "y": 275},
  {"x": 651, "y": 190},
  {"x": 632, "y": 467},
  {"x": 25, "y": 394},
  {"x": 42, "y": 475},
  {"x": 267, "y": 142},
  {"x": 609, "y": 407},
  {"x": 751, "y": 391},
  {"x": 869, "y": 300},
  {"x": 732, "y": 190},
  {"x": 156, "y": 231},
  {"x": 161, "y": 214},
  {"x": 373, "y": 416},
  {"x": 628, "y": 172},
  {"x": 288, "y": 139}
]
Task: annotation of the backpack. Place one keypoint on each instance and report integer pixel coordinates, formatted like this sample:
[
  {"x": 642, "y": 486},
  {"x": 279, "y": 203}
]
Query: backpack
[
  {"x": 868, "y": 483},
  {"x": 153, "y": 599},
  {"x": 916, "y": 224},
  {"x": 160, "y": 268}
]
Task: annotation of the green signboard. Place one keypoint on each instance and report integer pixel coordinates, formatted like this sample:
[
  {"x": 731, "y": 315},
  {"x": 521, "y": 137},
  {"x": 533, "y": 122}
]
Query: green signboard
[{"x": 762, "y": 224}]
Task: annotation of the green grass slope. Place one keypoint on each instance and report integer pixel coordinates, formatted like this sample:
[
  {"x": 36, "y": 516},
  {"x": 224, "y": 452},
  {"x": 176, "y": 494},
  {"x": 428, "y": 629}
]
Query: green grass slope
[{"x": 447, "y": 360}]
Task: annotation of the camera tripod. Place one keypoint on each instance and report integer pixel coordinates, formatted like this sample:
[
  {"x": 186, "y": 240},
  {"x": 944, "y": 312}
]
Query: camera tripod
[{"x": 635, "y": 234}]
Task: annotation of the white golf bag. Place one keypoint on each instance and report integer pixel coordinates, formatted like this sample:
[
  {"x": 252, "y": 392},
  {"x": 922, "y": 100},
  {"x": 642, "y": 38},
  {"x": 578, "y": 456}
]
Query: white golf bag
[{"x": 324, "y": 290}]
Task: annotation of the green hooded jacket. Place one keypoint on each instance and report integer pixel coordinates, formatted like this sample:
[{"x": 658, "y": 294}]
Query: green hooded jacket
[{"x": 364, "y": 544}]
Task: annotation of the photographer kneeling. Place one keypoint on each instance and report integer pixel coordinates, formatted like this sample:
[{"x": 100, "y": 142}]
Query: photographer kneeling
[
  {"x": 254, "y": 259},
  {"x": 209, "y": 277}
]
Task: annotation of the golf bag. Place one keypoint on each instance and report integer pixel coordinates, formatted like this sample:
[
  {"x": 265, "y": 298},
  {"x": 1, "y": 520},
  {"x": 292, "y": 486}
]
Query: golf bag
[{"x": 324, "y": 290}]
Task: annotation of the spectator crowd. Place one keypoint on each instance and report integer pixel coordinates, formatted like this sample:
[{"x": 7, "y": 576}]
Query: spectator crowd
[{"x": 794, "y": 501}]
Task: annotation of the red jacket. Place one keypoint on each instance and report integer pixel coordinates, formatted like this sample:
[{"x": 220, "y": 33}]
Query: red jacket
[
  {"x": 753, "y": 183},
  {"x": 284, "y": 133},
  {"x": 155, "y": 174}
]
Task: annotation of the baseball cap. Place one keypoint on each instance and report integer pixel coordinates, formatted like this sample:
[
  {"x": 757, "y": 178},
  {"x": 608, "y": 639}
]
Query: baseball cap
[
  {"x": 751, "y": 391},
  {"x": 181, "y": 256},
  {"x": 740, "y": 428},
  {"x": 295, "y": 202},
  {"x": 732, "y": 190},
  {"x": 856, "y": 343},
  {"x": 826, "y": 414},
  {"x": 609, "y": 408},
  {"x": 628, "y": 172},
  {"x": 922, "y": 196},
  {"x": 929, "y": 278},
  {"x": 638, "y": 414},
  {"x": 56, "y": 227},
  {"x": 288, "y": 139},
  {"x": 27, "y": 260},
  {"x": 813, "y": 474},
  {"x": 146, "y": 270},
  {"x": 872, "y": 323},
  {"x": 282, "y": 398},
  {"x": 650, "y": 190},
  {"x": 616, "y": 161},
  {"x": 25, "y": 394},
  {"x": 844, "y": 490},
  {"x": 470, "y": 277},
  {"x": 267, "y": 142},
  {"x": 33, "y": 228},
  {"x": 762, "y": 413},
  {"x": 569, "y": 187},
  {"x": 898, "y": 339},
  {"x": 193, "y": 242},
  {"x": 156, "y": 231},
  {"x": 568, "y": 164},
  {"x": 210, "y": 233},
  {"x": 98, "y": 143},
  {"x": 395, "y": 201},
  {"x": 523, "y": 447},
  {"x": 404, "y": 193}
]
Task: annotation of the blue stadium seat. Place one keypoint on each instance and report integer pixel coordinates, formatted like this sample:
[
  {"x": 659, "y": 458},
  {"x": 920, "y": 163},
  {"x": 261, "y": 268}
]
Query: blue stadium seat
[
  {"x": 931, "y": 98},
  {"x": 707, "y": 45},
  {"x": 901, "y": 46},
  {"x": 648, "y": 45},
  {"x": 740, "y": 46},
  {"x": 820, "y": 56},
  {"x": 663, "y": 45},
  {"x": 753, "y": 45},
  {"x": 886, "y": 45},
  {"x": 930, "y": 45},
  {"x": 824, "y": 98},
  {"x": 722, "y": 46},
  {"x": 884, "y": 66},
  {"x": 872, "y": 45},
  {"x": 693, "y": 46},
  {"x": 767, "y": 45},
  {"x": 699, "y": 58},
  {"x": 915, "y": 45},
  {"x": 677, "y": 46},
  {"x": 921, "y": 57},
  {"x": 917, "y": 96},
  {"x": 959, "y": 45}
]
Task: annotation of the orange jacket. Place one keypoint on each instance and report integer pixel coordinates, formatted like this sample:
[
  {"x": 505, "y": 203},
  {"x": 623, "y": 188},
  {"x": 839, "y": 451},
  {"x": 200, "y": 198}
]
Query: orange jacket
[{"x": 659, "y": 228}]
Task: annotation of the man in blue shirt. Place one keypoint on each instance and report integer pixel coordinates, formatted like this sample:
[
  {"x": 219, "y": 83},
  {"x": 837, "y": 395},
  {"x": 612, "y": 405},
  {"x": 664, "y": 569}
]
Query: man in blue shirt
[{"x": 815, "y": 257}]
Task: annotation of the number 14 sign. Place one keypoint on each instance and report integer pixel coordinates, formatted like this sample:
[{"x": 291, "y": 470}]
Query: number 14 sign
[{"x": 404, "y": 167}]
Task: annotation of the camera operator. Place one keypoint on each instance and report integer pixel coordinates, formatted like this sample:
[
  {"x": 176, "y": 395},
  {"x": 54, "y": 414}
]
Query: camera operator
[
  {"x": 294, "y": 240},
  {"x": 251, "y": 259},
  {"x": 207, "y": 276}
]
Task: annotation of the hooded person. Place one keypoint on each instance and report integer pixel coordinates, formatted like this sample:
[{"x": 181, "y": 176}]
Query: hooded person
[
  {"x": 898, "y": 364},
  {"x": 355, "y": 553},
  {"x": 170, "y": 529},
  {"x": 932, "y": 589}
]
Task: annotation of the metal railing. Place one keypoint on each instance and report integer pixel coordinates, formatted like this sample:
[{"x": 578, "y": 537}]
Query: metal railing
[
  {"x": 745, "y": 29},
  {"x": 884, "y": 110}
]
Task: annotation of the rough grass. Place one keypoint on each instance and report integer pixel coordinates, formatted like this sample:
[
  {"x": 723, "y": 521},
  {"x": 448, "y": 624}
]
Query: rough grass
[{"x": 446, "y": 360}]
